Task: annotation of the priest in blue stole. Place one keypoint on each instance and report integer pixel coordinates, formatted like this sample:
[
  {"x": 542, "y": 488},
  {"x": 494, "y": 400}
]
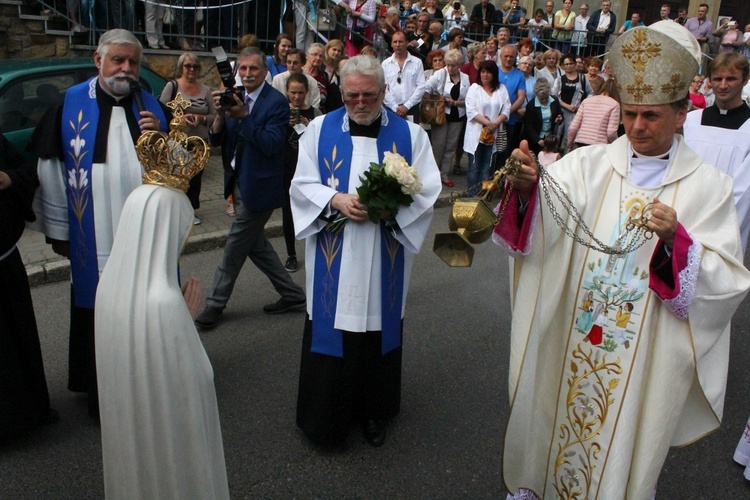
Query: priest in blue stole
[
  {"x": 356, "y": 279},
  {"x": 87, "y": 168}
]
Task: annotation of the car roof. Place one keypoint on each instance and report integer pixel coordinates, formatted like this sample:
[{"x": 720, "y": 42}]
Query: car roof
[{"x": 11, "y": 69}]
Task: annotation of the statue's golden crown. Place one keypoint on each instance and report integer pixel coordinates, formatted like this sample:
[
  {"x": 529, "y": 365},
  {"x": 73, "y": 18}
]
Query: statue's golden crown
[{"x": 172, "y": 159}]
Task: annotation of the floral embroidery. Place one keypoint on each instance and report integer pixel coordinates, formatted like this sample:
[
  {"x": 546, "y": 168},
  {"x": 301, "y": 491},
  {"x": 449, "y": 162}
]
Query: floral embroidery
[
  {"x": 590, "y": 395},
  {"x": 78, "y": 176}
]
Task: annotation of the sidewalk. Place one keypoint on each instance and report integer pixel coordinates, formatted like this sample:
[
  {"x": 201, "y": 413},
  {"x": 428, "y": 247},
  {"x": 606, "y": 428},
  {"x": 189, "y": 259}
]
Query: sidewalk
[{"x": 44, "y": 266}]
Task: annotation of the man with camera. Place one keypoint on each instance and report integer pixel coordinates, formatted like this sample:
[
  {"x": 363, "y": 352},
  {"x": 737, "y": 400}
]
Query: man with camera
[{"x": 251, "y": 131}]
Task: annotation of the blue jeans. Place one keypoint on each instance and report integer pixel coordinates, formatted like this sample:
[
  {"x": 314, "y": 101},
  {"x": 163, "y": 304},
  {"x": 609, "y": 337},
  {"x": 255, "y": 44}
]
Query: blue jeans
[{"x": 480, "y": 166}]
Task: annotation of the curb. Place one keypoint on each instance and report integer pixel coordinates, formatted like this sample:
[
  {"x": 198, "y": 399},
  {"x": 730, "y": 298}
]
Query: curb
[{"x": 54, "y": 271}]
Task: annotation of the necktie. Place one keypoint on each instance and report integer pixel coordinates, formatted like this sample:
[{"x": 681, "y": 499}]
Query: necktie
[{"x": 248, "y": 103}]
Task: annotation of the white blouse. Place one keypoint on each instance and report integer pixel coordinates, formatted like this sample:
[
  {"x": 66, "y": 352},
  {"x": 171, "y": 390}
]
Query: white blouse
[{"x": 479, "y": 102}]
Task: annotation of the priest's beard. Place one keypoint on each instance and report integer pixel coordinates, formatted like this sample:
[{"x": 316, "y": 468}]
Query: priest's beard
[{"x": 119, "y": 84}]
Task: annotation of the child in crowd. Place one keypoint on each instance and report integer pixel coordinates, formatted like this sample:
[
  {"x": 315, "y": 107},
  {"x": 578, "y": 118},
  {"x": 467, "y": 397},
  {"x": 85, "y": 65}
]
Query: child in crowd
[{"x": 550, "y": 152}]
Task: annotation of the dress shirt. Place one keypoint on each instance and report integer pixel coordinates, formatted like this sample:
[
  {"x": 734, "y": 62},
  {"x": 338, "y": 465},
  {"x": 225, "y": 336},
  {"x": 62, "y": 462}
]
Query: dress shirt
[
  {"x": 700, "y": 29},
  {"x": 411, "y": 89},
  {"x": 604, "y": 20}
]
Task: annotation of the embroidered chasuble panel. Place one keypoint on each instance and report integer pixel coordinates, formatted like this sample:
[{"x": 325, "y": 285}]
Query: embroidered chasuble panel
[{"x": 603, "y": 357}]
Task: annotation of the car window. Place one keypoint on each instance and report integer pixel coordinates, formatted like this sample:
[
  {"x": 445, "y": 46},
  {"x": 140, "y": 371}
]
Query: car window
[{"x": 23, "y": 103}]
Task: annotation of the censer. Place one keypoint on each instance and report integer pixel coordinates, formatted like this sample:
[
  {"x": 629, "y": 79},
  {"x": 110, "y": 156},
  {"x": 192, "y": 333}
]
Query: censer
[{"x": 472, "y": 219}]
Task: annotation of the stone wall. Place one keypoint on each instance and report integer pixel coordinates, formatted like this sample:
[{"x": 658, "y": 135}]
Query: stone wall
[{"x": 26, "y": 38}]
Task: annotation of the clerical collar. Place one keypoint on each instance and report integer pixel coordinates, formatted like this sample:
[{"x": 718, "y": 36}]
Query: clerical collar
[
  {"x": 106, "y": 101},
  {"x": 731, "y": 119},
  {"x": 370, "y": 130},
  {"x": 649, "y": 171}
]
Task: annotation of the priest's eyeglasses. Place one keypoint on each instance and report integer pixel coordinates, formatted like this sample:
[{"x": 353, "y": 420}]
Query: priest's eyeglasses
[{"x": 366, "y": 98}]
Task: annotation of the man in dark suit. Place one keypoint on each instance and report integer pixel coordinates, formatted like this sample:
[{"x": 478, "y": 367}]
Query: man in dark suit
[
  {"x": 481, "y": 17},
  {"x": 252, "y": 135},
  {"x": 601, "y": 24}
]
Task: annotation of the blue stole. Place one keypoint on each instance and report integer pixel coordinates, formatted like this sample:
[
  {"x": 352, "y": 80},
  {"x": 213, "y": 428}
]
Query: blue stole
[
  {"x": 80, "y": 119},
  {"x": 334, "y": 161}
]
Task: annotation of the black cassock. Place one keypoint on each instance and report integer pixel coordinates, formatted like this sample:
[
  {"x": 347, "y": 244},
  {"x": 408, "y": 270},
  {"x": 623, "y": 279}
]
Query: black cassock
[{"x": 24, "y": 400}]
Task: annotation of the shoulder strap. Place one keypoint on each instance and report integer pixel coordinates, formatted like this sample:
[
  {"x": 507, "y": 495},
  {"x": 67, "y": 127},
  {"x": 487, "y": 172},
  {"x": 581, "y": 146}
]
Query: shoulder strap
[{"x": 174, "y": 89}]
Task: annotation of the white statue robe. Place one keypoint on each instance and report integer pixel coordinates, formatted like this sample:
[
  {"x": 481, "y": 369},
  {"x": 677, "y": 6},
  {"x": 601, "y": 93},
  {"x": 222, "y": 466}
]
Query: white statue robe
[
  {"x": 161, "y": 436},
  {"x": 729, "y": 151},
  {"x": 597, "y": 417},
  {"x": 111, "y": 183},
  {"x": 358, "y": 308}
]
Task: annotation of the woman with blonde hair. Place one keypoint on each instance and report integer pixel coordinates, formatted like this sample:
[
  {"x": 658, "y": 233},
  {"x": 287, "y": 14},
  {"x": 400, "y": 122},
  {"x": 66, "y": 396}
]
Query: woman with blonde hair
[
  {"x": 550, "y": 71},
  {"x": 476, "y": 52},
  {"x": 453, "y": 85},
  {"x": 198, "y": 117}
]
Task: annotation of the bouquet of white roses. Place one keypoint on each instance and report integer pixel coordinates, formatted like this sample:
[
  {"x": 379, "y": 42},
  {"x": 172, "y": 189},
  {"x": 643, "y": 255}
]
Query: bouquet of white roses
[{"x": 384, "y": 188}]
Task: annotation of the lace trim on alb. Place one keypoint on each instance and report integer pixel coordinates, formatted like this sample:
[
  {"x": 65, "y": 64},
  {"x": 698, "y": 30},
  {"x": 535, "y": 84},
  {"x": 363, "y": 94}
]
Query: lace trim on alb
[
  {"x": 523, "y": 494},
  {"x": 688, "y": 277}
]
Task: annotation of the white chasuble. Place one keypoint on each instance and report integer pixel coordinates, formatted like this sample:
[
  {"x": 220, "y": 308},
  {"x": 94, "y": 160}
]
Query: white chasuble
[{"x": 606, "y": 375}]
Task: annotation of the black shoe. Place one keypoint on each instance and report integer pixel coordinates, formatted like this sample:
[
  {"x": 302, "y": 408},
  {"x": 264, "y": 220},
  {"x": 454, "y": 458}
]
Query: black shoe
[
  {"x": 283, "y": 305},
  {"x": 374, "y": 432},
  {"x": 291, "y": 264},
  {"x": 209, "y": 318}
]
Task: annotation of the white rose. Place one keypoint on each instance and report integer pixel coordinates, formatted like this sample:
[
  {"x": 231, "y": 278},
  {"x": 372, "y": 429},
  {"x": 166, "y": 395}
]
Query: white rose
[
  {"x": 394, "y": 163},
  {"x": 411, "y": 184}
]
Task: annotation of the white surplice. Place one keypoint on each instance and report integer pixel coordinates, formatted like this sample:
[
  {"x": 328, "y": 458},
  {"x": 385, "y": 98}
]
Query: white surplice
[
  {"x": 358, "y": 308},
  {"x": 161, "y": 436},
  {"x": 729, "y": 151},
  {"x": 111, "y": 183},
  {"x": 591, "y": 412}
]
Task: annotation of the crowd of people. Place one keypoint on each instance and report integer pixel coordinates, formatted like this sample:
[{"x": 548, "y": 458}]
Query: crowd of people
[{"x": 298, "y": 133}]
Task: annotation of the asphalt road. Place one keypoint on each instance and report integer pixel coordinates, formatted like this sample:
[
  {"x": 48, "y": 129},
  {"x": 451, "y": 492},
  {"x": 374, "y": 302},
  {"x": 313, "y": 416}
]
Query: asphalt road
[{"x": 446, "y": 442}]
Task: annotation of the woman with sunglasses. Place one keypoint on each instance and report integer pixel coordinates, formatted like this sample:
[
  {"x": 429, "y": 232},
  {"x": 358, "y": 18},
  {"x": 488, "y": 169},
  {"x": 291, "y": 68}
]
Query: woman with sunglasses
[{"x": 198, "y": 117}]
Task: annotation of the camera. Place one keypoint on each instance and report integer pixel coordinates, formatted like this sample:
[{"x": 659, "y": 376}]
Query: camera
[
  {"x": 456, "y": 5},
  {"x": 294, "y": 113},
  {"x": 226, "y": 73},
  {"x": 515, "y": 7}
]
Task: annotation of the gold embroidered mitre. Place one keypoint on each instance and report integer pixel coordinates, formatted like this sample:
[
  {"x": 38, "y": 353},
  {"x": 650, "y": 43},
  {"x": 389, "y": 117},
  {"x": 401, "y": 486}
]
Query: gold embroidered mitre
[
  {"x": 655, "y": 64},
  {"x": 172, "y": 159}
]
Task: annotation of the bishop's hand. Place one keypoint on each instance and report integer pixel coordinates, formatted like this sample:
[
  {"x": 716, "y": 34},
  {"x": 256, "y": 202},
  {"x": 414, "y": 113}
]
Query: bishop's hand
[
  {"x": 524, "y": 181},
  {"x": 663, "y": 222}
]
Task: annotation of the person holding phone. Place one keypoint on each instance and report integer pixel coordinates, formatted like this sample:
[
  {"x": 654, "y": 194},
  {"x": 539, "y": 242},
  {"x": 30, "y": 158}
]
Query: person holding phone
[{"x": 300, "y": 116}]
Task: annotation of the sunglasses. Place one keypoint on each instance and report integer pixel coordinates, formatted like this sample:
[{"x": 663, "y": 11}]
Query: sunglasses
[
  {"x": 366, "y": 98},
  {"x": 192, "y": 66}
]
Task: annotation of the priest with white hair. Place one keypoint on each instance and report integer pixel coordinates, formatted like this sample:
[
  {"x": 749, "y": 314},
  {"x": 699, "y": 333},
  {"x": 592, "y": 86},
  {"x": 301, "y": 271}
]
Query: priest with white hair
[{"x": 357, "y": 278}]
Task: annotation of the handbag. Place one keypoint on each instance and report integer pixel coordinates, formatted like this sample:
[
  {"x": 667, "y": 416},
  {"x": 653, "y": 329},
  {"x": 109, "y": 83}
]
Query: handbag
[
  {"x": 324, "y": 19},
  {"x": 432, "y": 108},
  {"x": 486, "y": 137},
  {"x": 501, "y": 139}
]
